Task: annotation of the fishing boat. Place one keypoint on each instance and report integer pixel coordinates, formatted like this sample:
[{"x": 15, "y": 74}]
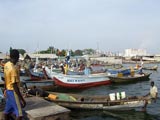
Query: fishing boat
[
  {"x": 50, "y": 72},
  {"x": 97, "y": 102},
  {"x": 130, "y": 78},
  {"x": 116, "y": 71},
  {"x": 37, "y": 75},
  {"x": 81, "y": 81},
  {"x": 78, "y": 80},
  {"x": 43, "y": 83},
  {"x": 151, "y": 68},
  {"x": 73, "y": 72}
]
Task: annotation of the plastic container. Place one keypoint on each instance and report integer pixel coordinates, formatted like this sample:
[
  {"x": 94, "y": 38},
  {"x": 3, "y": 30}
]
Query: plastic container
[
  {"x": 52, "y": 97},
  {"x": 112, "y": 96},
  {"x": 123, "y": 95},
  {"x": 118, "y": 96}
]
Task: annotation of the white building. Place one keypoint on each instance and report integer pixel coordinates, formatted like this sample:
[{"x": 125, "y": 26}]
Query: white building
[
  {"x": 157, "y": 57},
  {"x": 42, "y": 56},
  {"x": 135, "y": 52}
]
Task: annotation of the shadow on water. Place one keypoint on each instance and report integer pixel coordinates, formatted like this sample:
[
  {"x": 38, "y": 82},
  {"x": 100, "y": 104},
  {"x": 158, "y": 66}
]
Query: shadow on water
[{"x": 112, "y": 115}]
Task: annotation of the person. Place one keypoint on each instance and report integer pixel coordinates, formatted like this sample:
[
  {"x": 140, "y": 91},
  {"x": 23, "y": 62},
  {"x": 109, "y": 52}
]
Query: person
[
  {"x": 38, "y": 92},
  {"x": 151, "y": 96},
  {"x": 62, "y": 68},
  {"x": 14, "y": 100},
  {"x": 82, "y": 66},
  {"x": 140, "y": 70},
  {"x": 41, "y": 93}
]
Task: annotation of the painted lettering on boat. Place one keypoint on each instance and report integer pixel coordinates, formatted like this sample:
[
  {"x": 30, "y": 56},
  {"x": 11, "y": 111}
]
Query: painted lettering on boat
[{"x": 74, "y": 80}]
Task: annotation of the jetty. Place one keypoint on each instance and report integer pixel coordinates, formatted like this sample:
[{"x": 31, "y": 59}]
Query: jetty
[{"x": 39, "y": 109}]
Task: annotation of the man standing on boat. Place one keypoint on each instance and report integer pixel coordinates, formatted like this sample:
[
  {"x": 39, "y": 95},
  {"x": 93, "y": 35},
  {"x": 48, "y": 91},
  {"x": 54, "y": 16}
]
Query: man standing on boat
[
  {"x": 152, "y": 95},
  {"x": 14, "y": 100}
]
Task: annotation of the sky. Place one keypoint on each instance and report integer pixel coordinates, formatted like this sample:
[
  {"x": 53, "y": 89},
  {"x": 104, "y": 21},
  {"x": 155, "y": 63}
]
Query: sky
[{"x": 107, "y": 25}]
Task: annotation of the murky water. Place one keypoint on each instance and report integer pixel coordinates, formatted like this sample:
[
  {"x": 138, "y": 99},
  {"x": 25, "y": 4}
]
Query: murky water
[{"x": 139, "y": 88}]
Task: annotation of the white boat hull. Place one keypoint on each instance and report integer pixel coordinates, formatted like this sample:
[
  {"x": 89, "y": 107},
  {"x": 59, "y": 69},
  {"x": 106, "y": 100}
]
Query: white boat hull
[{"x": 81, "y": 81}]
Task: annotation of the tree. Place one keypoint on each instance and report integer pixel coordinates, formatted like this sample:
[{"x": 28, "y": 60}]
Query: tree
[
  {"x": 78, "y": 53},
  {"x": 58, "y": 52},
  {"x": 50, "y": 50},
  {"x": 43, "y": 52},
  {"x": 21, "y": 51},
  {"x": 72, "y": 53},
  {"x": 63, "y": 52}
]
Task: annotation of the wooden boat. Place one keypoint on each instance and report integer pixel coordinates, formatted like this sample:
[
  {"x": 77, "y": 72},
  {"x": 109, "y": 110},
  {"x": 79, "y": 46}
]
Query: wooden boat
[
  {"x": 97, "y": 68},
  {"x": 116, "y": 71},
  {"x": 150, "y": 68},
  {"x": 81, "y": 81},
  {"x": 78, "y": 81},
  {"x": 49, "y": 72},
  {"x": 129, "y": 78},
  {"x": 72, "y": 72},
  {"x": 96, "y": 102},
  {"x": 37, "y": 75},
  {"x": 44, "y": 84}
]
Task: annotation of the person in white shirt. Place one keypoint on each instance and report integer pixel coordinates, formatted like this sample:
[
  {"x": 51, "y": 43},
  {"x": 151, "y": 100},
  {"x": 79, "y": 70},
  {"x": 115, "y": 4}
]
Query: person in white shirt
[{"x": 151, "y": 96}]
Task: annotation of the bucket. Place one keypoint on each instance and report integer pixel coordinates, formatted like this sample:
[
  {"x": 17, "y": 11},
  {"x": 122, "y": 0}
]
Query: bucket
[
  {"x": 112, "y": 96},
  {"x": 118, "y": 96},
  {"x": 123, "y": 95}
]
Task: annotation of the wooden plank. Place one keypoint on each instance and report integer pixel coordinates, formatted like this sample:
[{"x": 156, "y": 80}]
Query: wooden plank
[
  {"x": 49, "y": 112},
  {"x": 40, "y": 109}
]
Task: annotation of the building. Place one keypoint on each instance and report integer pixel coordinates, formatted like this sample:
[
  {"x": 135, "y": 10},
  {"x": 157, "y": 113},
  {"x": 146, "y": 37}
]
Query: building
[
  {"x": 41, "y": 56},
  {"x": 135, "y": 52}
]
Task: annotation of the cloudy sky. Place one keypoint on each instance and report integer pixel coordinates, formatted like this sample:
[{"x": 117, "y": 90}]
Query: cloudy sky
[{"x": 110, "y": 25}]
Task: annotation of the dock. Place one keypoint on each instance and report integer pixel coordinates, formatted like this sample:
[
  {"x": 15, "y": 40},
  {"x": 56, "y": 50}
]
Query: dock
[{"x": 39, "y": 109}]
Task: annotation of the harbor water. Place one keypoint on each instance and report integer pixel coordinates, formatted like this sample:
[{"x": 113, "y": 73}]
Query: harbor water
[{"x": 132, "y": 89}]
